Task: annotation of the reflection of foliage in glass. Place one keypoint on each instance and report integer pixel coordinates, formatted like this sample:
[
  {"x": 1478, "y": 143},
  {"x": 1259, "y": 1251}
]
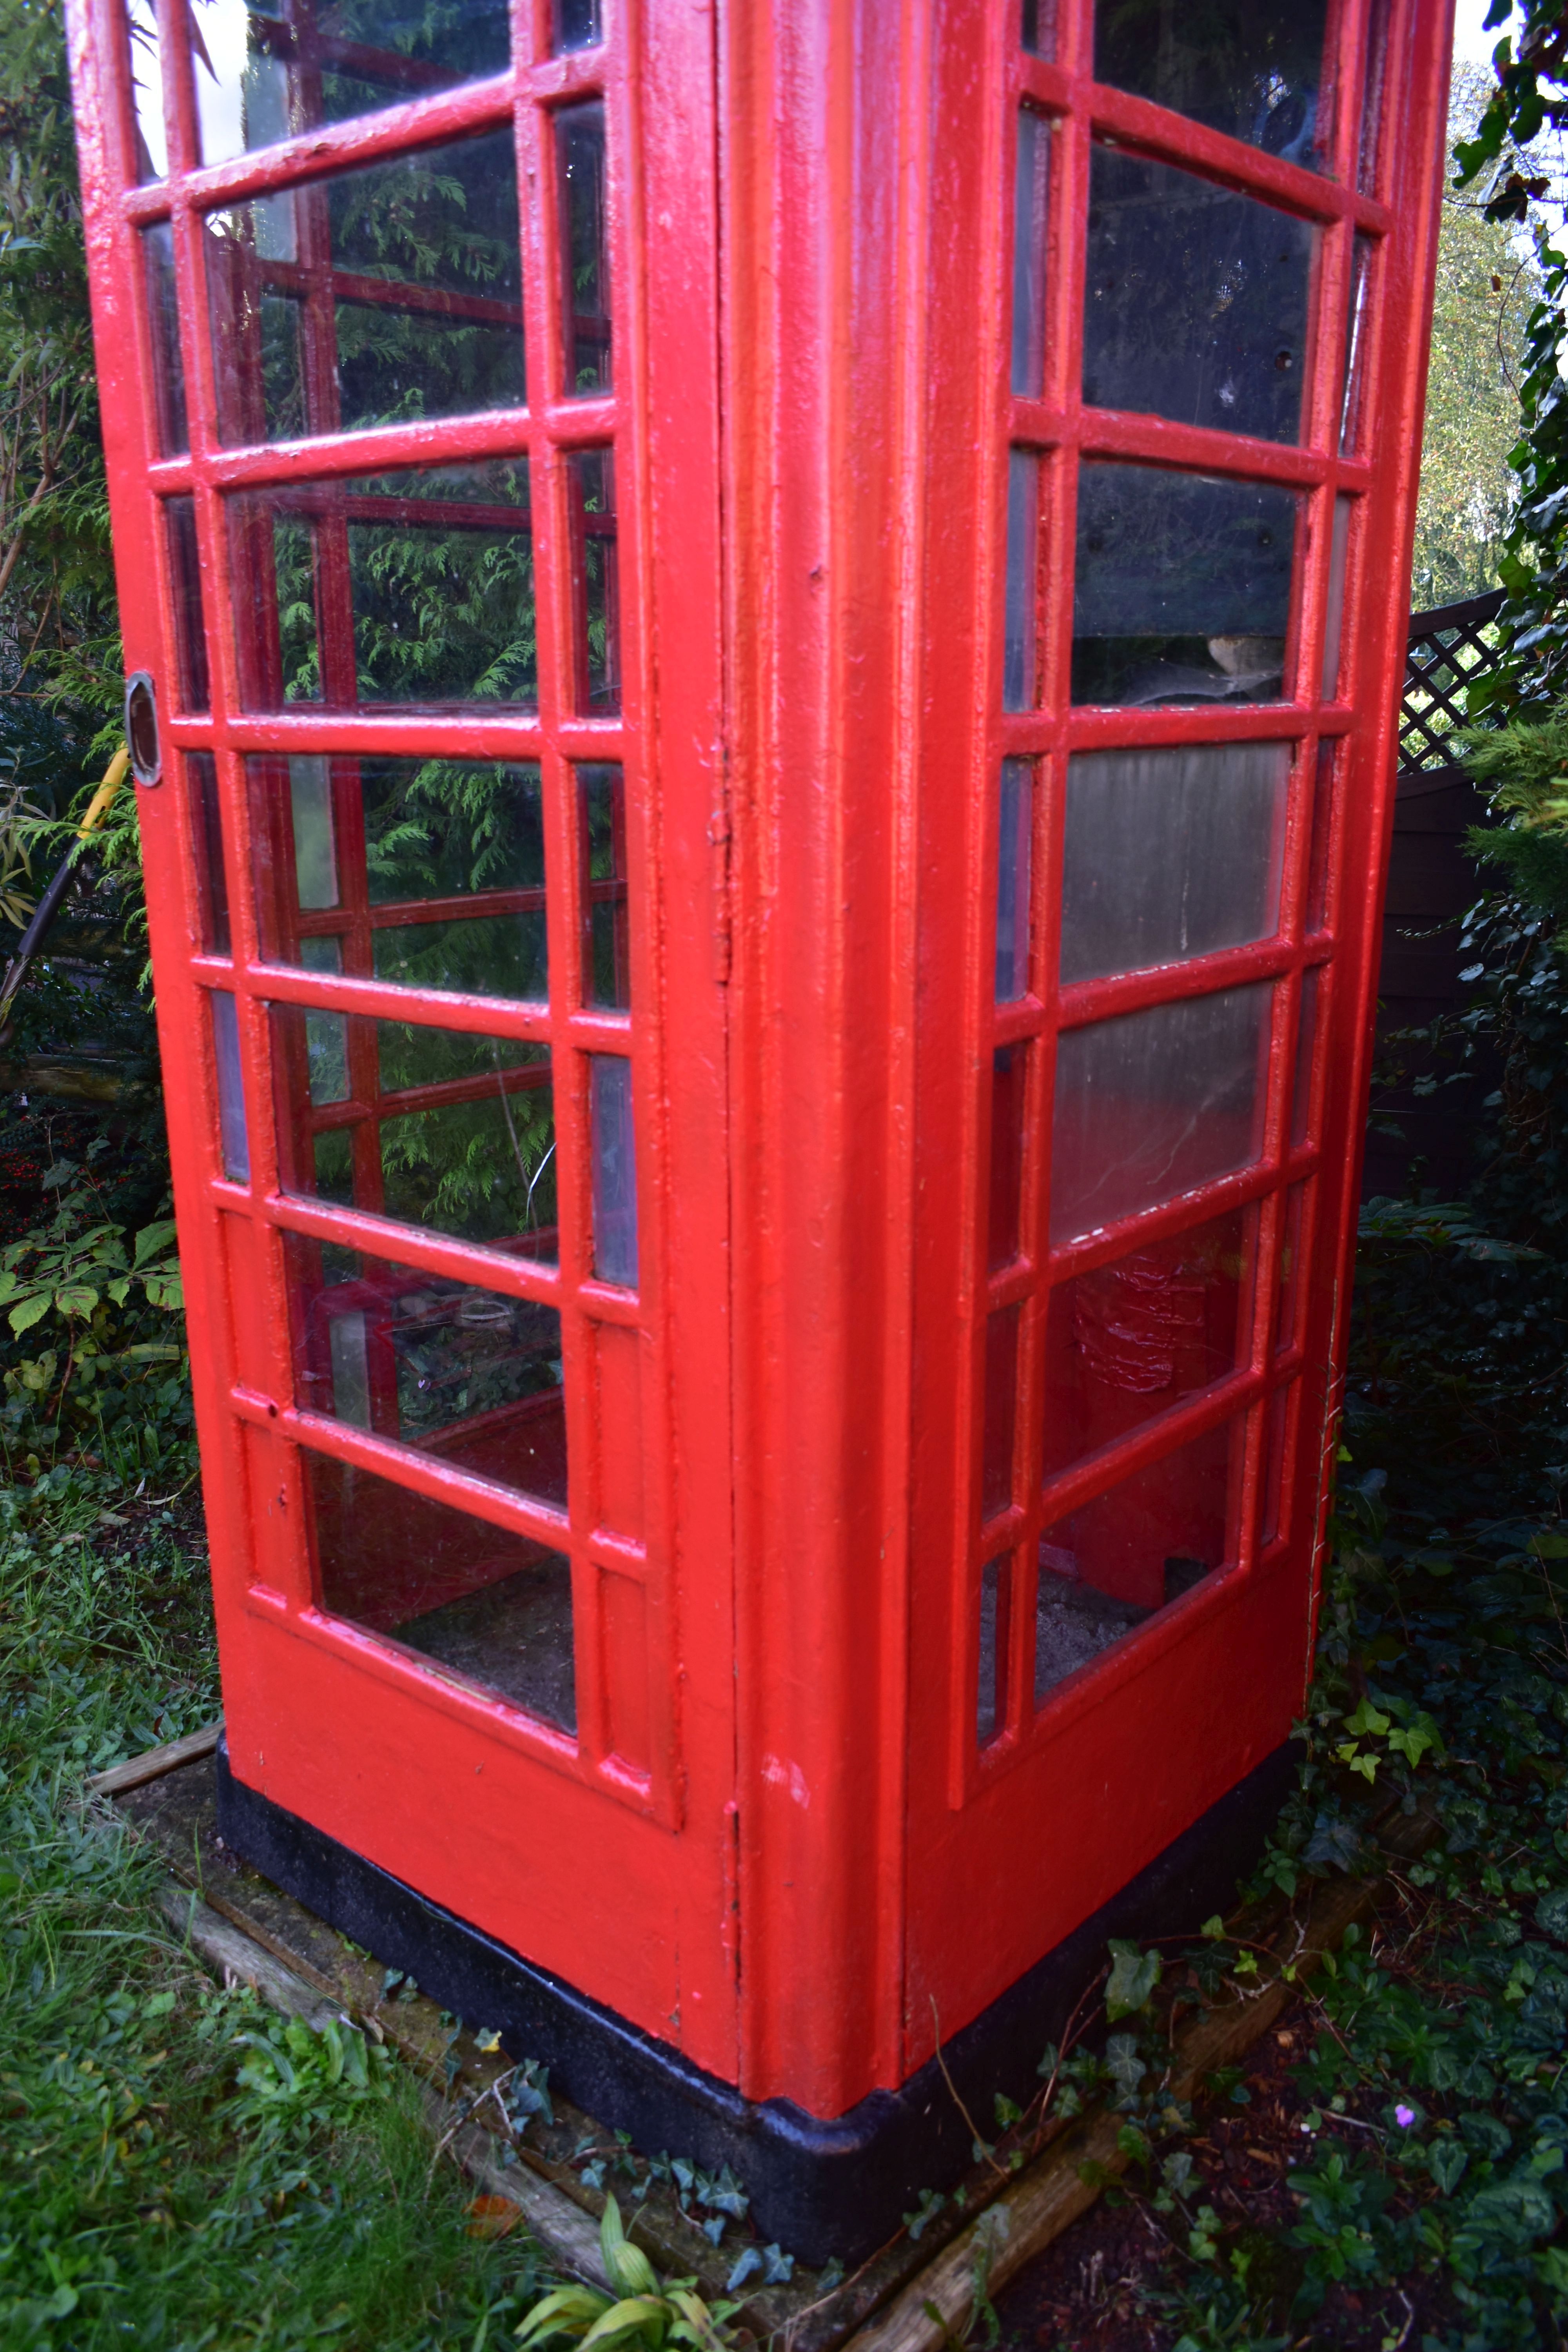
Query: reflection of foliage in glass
[
  {"x": 445, "y": 615},
  {"x": 447, "y": 220},
  {"x": 484, "y": 1169},
  {"x": 436, "y": 827},
  {"x": 293, "y": 557},
  {"x": 466, "y": 38},
  {"x": 596, "y": 480}
]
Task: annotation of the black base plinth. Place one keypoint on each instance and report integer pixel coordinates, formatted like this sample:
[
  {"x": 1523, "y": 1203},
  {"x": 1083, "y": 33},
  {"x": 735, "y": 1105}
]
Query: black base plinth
[{"x": 820, "y": 2187}]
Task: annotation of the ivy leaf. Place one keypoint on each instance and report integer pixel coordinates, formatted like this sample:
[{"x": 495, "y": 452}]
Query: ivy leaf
[
  {"x": 1552, "y": 1914},
  {"x": 1133, "y": 1976}
]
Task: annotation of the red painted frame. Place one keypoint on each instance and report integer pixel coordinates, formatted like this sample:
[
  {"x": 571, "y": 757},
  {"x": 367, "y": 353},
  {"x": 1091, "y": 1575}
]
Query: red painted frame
[{"x": 819, "y": 1869}]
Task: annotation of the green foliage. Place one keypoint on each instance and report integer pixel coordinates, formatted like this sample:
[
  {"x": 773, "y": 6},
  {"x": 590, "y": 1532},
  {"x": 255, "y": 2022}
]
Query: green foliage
[
  {"x": 1486, "y": 290},
  {"x": 178, "y": 2166},
  {"x": 56, "y": 579},
  {"x": 1529, "y": 99},
  {"x": 640, "y": 2311}
]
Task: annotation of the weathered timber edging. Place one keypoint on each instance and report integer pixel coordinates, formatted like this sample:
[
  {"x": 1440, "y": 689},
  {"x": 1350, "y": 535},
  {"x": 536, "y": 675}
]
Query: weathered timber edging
[{"x": 251, "y": 1933}]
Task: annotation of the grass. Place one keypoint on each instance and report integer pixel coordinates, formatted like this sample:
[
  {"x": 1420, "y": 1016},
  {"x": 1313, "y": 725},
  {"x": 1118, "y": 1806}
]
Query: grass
[{"x": 179, "y": 2168}]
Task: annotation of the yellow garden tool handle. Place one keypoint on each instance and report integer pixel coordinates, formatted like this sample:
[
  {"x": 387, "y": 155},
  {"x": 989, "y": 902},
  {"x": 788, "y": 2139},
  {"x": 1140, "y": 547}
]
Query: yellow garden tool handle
[{"x": 98, "y": 807}]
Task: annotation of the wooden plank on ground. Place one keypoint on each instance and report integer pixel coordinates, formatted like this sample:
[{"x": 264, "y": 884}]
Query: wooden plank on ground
[{"x": 156, "y": 1761}]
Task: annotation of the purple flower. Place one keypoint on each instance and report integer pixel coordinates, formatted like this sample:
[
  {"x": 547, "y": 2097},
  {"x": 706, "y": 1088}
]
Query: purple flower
[{"x": 1405, "y": 2117}]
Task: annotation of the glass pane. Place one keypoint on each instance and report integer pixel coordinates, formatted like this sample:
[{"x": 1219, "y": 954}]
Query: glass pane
[
  {"x": 1324, "y": 794},
  {"x": 264, "y": 73},
  {"x": 147, "y": 90},
  {"x": 595, "y": 585},
  {"x": 1248, "y": 67},
  {"x": 212, "y": 882},
  {"x": 233, "y": 1134},
  {"x": 1014, "y": 837},
  {"x": 1306, "y": 1039},
  {"x": 1170, "y": 854},
  {"x": 409, "y": 588},
  {"x": 1021, "y": 627},
  {"x": 1039, "y": 29},
  {"x": 578, "y": 24},
  {"x": 1182, "y": 591},
  {"x": 1111, "y": 1566},
  {"x": 371, "y": 298},
  {"x": 1369, "y": 155},
  {"x": 614, "y": 1171},
  {"x": 1009, "y": 1074},
  {"x": 1274, "y": 1462},
  {"x": 1153, "y": 1103},
  {"x": 186, "y": 588},
  {"x": 1195, "y": 305},
  {"x": 1334, "y": 619},
  {"x": 1029, "y": 252},
  {"x": 585, "y": 246},
  {"x": 1287, "y": 1330},
  {"x": 489, "y": 1604},
  {"x": 1001, "y": 1412},
  {"x": 164, "y": 333},
  {"x": 425, "y": 872},
  {"x": 1356, "y": 331},
  {"x": 991, "y": 1690},
  {"x": 602, "y": 822},
  {"x": 456, "y": 1369},
  {"x": 453, "y": 1132},
  {"x": 1128, "y": 1340}
]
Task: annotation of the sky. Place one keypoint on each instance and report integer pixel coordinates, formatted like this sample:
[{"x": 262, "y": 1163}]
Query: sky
[{"x": 1469, "y": 41}]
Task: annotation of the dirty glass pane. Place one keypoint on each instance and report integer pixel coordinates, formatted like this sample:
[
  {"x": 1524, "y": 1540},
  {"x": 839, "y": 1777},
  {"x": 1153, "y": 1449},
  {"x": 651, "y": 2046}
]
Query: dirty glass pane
[
  {"x": 489, "y": 1604},
  {"x": 234, "y": 1136},
  {"x": 1009, "y": 1075},
  {"x": 371, "y": 298},
  {"x": 1029, "y": 252},
  {"x": 1021, "y": 626},
  {"x": 264, "y": 73},
  {"x": 186, "y": 590},
  {"x": 614, "y": 1171},
  {"x": 1357, "y": 328},
  {"x": 1113, "y": 1564},
  {"x": 1013, "y": 834},
  {"x": 1001, "y": 1410},
  {"x": 163, "y": 332},
  {"x": 1286, "y": 1332},
  {"x": 596, "y": 582},
  {"x": 434, "y": 1127},
  {"x": 601, "y": 819},
  {"x": 1334, "y": 619},
  {"x": 206, "y": 825},
  {"x": 432, "y": 575},
  {"x": 1153, "y": 1103},
  {"x": 1037, "y": 30},
  {"x": 454, "y": 1368},
  {"x": 1196, "y": 305},
  {"x": 1369, "y": 148},
  {"x": 1170, "y": 854},
  {"x": 1251, "y": 68},
  {"x": 990, "y": 1691},
  {"x": 426, "y": 873},
  {"x": 1324, "y": 788},
  {"x": 1306, "y": 1039},
  {"x": 147, "y": 90},
  {"x": 579, "y": 25},
  {"x": 1128, "y": 1340},
  {"x": 585, "y": 246},
  {"x": 1182, "y": 589}
]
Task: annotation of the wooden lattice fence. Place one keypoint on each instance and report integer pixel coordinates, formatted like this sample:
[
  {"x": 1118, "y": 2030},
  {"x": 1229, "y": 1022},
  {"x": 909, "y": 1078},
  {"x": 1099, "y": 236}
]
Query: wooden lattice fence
[{"x": 1431, "y": 882}]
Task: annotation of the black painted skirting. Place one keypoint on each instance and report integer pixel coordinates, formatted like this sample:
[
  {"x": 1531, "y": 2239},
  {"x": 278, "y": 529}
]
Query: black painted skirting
[{"x": 819, "y": 2187}]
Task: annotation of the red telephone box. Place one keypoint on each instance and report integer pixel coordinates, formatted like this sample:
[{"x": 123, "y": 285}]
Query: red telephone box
[{"x": 775, "y": 632}]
